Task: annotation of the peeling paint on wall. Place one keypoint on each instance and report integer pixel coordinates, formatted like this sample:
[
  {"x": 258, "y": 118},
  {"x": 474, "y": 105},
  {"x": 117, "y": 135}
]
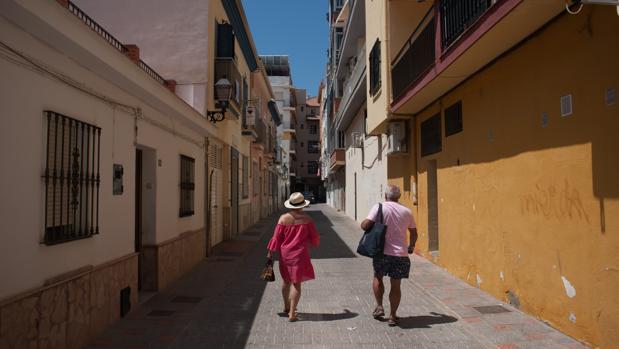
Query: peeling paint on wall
[
  {"x": 501, "y": 276},
  {"x": 478, "y": 280},
  {"x": 570, "y": 291}
]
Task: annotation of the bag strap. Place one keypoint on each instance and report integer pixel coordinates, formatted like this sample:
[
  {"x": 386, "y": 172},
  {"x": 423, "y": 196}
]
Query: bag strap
[{"x": 379, "y": 217}]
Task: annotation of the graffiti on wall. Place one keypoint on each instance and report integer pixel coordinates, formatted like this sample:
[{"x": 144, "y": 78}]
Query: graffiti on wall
[{"x": 560, "y": 201}]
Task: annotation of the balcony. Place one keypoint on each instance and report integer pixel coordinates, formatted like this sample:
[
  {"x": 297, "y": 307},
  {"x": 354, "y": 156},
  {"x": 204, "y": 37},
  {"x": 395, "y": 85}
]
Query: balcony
[
  {"x": 454, "y": 40},
  {"x": 415, "y": 58},
  {"x": 226, "y": 67},
  {"x": 354, "y": 93},
  {"x": 338, "y": 159}
]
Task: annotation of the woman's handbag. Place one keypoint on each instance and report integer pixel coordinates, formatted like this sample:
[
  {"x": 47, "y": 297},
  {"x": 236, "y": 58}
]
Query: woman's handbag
[
  {"x": 373, "y": 240},
  {"x": 267, "y": 273}
]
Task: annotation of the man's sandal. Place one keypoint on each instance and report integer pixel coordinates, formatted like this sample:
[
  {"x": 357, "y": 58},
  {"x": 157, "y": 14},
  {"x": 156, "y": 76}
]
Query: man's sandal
[
  {"x": 379, "y": 311},
  {"x": 393, "y": 321}
]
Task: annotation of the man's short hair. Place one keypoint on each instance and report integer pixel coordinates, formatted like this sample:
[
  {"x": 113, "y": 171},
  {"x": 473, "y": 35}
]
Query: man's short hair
[{"x": 392, "y": 192}]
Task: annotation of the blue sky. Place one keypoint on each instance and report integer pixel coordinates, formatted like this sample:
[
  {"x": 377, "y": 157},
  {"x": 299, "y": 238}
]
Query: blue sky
[{"x": 297, "y": 28}]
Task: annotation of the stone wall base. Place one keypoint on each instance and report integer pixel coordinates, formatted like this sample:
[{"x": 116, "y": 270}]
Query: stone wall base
[
  {"x": 169, "y": 260},
  {"x": 69, "y": 310}
]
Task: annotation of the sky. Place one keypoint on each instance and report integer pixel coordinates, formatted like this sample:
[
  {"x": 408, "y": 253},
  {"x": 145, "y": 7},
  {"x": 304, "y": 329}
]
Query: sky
[{"x": 294, "y": 28}]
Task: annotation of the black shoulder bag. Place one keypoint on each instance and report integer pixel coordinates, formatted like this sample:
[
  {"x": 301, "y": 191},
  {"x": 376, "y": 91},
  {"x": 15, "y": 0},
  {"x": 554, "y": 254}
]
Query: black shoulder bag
[{"x": 373, "y": 240}]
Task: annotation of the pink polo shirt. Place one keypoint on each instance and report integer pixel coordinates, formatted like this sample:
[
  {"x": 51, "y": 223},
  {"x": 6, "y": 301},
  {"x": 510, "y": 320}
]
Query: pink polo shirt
[{"x": 398, "y": 218}]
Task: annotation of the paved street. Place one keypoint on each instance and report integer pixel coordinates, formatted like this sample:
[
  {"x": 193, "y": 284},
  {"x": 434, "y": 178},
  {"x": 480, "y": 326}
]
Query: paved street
[{"x": 222, "y": 303}]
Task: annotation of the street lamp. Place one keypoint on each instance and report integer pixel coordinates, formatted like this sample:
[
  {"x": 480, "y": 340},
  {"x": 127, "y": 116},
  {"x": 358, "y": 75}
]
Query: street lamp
[{"x": 223, "y": 92}]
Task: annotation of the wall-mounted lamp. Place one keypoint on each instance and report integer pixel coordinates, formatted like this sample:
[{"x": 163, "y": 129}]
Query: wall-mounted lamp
[{"x": 223, "y": 92}]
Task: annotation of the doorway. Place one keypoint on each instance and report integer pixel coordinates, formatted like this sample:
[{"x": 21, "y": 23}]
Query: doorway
[
  {"x": 144, "y": 240},
  {"x": 138, "y": 213},
  {"x": 234, "y": 193},
  {"x": 433, "y": 242}
]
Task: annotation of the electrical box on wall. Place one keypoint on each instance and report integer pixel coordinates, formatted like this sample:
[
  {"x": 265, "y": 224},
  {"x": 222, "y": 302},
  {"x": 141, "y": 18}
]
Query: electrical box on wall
[
  {"x": 396, "y": 138},
  {"x": 117, "y": 180}
]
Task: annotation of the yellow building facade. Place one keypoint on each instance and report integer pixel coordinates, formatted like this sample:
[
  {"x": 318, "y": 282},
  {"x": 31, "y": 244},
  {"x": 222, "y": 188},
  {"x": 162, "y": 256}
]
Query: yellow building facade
[{"x": 511, "y": 167}]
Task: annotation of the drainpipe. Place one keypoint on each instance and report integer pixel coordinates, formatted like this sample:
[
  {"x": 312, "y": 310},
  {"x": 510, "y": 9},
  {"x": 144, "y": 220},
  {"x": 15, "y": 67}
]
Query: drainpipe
[{"x": 207, "y": 200}]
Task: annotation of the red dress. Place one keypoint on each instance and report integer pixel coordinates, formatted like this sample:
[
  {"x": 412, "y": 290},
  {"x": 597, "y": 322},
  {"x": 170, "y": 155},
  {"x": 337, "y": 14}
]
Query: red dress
[{"x": 292, "y": 241}]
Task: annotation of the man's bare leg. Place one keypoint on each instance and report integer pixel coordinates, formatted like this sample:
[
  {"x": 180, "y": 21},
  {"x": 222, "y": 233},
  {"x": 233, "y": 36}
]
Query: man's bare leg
[
  {"x": 395, "y": 295},
  {"x": 379, "y": 290}
]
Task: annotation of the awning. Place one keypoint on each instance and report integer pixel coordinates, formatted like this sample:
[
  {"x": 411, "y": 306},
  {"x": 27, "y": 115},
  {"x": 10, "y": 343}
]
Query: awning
[{"x": 274, "y": 112}]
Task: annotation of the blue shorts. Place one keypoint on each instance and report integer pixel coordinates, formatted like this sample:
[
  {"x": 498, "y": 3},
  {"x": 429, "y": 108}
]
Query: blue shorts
[{"x": 392, "y": 266}]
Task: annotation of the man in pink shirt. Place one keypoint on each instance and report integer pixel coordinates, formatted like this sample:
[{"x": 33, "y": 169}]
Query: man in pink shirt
[{"x": 394, "y": 262}]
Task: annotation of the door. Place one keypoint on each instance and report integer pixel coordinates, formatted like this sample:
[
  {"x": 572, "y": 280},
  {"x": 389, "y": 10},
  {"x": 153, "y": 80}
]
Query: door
[
  {"x": 138, "y": 213},
  {"x": 234, "y": 192},
  {"x": 432, "y": 207}
]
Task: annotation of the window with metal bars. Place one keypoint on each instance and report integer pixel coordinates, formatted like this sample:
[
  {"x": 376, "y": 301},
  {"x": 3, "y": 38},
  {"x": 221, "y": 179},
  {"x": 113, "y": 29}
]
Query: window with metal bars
[
  {"x": 313, "y": 147},
  {"x": 431, "y": 139},
  {"x": 245, "y": 177},
  {"x": 72, "y": 179},
  {"x": 256, "y": 179},
  {"x": 313, "y": 128},
  {"x": 187, "y": 186},
  {"x": 374, "y": 63},
  {"x": 312, "y": 168},
  {"x": 453, "y": 119}
]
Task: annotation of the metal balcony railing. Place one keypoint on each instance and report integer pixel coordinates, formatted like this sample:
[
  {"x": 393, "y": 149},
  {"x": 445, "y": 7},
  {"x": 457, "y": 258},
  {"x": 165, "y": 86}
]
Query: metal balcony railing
[
  {"x": 226, "y": 67},
  {"x": 112, "y": 40},
  {"x": 415, "y": 58},
  {"x": 458, "y": 15},
  {"x": 351, "y": 83}
]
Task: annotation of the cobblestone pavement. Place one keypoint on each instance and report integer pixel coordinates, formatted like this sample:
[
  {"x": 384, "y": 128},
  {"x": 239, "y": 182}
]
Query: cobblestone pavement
[{"x": 222, "y": 303}]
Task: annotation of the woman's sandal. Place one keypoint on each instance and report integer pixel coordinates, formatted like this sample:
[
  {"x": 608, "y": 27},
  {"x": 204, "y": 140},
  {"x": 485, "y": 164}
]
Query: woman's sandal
[
  {"x": 293, "y": 317},
  {"x": 379, "y": 311}
]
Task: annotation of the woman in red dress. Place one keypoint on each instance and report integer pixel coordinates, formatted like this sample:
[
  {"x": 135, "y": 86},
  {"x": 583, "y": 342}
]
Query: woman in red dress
[{"x": 294, "y": 233}]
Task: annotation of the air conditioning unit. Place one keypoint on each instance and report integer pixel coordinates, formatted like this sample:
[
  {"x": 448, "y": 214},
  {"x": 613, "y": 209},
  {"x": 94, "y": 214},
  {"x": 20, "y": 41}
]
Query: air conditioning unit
[
  {"x": 396, "y": 138},
  {"x": 251, "y": 116},
  {"x": 357, "y": 140}
]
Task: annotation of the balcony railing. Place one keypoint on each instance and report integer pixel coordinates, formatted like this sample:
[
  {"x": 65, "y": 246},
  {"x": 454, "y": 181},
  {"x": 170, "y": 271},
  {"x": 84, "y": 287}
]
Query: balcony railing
[
  {"x": 458, "y": 15},
  {"x": 353, "y": 79},
  {"x": 338, "y": 158},
  {"x": 112, "y": 40},
  {"x": 415, "y": 58},
  {"x": 96, "y": 27},
  {"x": 226, "y": 67},
  {"x": 261, "y": 130}
]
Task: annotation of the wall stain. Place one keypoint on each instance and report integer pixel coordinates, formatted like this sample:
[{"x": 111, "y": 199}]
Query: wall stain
[{"x": 561, "y": 202}]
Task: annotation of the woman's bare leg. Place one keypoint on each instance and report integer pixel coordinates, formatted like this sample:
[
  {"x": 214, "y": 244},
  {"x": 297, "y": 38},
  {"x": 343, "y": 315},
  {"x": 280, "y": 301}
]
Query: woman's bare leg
[
  {"x": 286, "y": 295},
  {"x": 295, "y": 295}
]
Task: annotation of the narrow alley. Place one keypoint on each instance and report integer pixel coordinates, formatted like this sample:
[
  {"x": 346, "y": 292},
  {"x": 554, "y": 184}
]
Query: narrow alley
[{"x": 222, "y": 303}]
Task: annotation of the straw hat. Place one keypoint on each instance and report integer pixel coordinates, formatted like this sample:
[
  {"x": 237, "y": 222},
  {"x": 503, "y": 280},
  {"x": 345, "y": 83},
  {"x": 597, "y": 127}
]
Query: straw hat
[{"x": 296, "y": 201}]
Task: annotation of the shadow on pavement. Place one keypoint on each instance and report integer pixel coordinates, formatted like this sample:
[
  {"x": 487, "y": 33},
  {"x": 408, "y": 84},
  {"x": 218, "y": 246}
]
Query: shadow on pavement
[
  {"x": 331, "y": 245},
  {"x": 425, "y": 321},
  {"x": 347, "y": 314}
]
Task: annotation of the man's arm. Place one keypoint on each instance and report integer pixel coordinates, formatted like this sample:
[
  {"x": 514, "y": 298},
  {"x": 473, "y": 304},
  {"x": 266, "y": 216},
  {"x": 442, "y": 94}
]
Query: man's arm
[
  {"x": 412, "y": 238},
  {"x": 367, "y": 224}
]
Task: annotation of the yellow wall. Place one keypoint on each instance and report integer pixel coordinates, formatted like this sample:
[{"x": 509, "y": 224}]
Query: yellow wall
[
  {"x": 523, "y": 206},
  {"x": 375, "y": 27}
]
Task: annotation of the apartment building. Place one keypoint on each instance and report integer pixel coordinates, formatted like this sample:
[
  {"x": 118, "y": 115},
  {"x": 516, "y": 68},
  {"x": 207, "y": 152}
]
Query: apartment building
[
  {"x": 278, "y": 71},
  {"x": 498, "y": 117},
  {"x": 307, "y": 146},
  {"x": 333, "y": 152},
  {"x": 129, "y": 170}
]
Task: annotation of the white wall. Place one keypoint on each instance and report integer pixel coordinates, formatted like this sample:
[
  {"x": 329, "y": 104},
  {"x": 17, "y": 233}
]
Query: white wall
[
  {"x": 24, "y": 95},
  {"x": 370, "y": 165}
]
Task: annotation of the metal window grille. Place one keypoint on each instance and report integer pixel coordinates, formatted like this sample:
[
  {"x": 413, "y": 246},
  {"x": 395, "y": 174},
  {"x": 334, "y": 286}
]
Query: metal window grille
[
  {"x": 313, "y": 129},
  {"x": 375, "y": 68},
  {"x": 431, "y": 141},
  {"x": 312, "y": 168},
  {"x": 187, "y": 186},
  {"x": 313, "y": 147},
  {"x": 72, "y": 179},
  {"x": 453, "y": 119},
  {"x": 245, "y": 176}
]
